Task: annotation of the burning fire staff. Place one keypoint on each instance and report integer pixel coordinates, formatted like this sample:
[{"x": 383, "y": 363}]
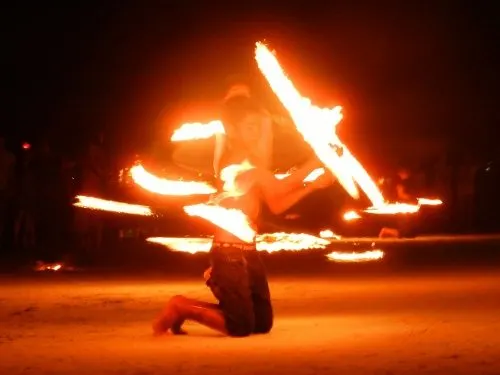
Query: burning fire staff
[{"x": 237, "y": 276}]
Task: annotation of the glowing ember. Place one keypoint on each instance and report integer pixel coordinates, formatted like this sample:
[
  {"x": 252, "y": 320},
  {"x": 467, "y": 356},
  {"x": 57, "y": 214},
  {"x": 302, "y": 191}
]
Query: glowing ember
[
  {"x": 163, "y": 186},
  {"x": 41, "y": 266},
  {"x": 112, "y": 206},
  {"x": 184, "y": 245},
  {"x": 289, "y": 241},
  {"x": 365, "y": 256},
  {"x": 317, "y": 126},
  {"x": 197, "y": 130},
  {"x": 351, "y": 215},
  {"x": 328, "y": 234},
  {"x": 231, "y": 220},
  {"x": 429, "y": 202},
  {"x": 394, "y": 208},
  {"x": 270, "y": 242},
  {"x": 228, "y": 176}
]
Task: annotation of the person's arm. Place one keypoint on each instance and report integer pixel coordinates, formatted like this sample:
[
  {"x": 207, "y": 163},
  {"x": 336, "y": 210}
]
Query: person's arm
[
  {"x": 280, "y": 204},
  {"x": 220, "y": 144},
  {"x": 297, "y": 177},
  {"x": 278, "y": 195}
]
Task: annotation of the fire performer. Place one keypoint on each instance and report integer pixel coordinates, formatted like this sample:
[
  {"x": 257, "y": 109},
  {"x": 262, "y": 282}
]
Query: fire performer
[{"x": 237, "y": 276}]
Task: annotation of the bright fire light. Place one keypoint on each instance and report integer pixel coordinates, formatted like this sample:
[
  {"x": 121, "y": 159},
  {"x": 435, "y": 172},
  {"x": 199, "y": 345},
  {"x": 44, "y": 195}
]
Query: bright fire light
[
  {"x": 365, "y": 256},
  {"x": 112, "y": 206},
  {"x": 269, "y": 242},
  {"x": 429, "y": 202},
  {"x": 197, "y": 130},
  {"x": 328, "y": 234},
  {"x": 351, "y": 215},
  {"x": 164, "y": 186}
]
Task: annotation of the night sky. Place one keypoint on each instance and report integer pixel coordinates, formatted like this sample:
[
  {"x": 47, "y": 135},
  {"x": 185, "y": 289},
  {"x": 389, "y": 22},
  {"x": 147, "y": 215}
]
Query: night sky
[{"x": 398, "y": 69}]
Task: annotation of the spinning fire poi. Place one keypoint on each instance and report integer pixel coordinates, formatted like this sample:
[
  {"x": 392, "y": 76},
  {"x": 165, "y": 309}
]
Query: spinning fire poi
[{"x": 316, "y": 125}]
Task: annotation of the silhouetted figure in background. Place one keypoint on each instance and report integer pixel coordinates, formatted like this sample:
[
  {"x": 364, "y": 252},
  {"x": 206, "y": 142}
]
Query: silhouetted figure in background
[
  {"x": 50, "y": 202},
  {"x": 401, "y": 188},
  {"x": 7, "y": 165}
]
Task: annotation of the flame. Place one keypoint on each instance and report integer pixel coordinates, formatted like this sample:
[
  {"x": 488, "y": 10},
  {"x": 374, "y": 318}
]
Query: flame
[
  {"x": 279, "y": 241},
  {"x": 394, "y": 208},
  {"x": 163, "y": 186},
  {"x": 112, "y": 206},
  {"x": 231, "y": 220},
  {"x": 429, "y": 202},
  {"x": 321, "y": 136},
  {"x": 365, "y": 256},
  {"x": 317, "y": 126},
  {"x": 41, "y": 266},
  {"x": 229, "y": 176},
  {"x": 197, "y": 130},
  {"x": 328, "y": 234},
  {"x": 184, "y": 245},
  {"x": 351, "y": 215},
  {"x": 269, "y": 242}
]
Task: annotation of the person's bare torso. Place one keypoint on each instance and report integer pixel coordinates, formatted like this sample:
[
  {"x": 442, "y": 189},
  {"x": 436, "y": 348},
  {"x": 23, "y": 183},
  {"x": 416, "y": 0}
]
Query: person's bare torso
[{"x": 249, "y": 203}]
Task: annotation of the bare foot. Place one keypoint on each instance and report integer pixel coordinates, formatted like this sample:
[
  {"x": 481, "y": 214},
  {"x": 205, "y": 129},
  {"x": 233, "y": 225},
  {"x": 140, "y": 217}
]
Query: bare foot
[
  {"x": 165, "y": 321},
  {"x": 177, "y": 328}
]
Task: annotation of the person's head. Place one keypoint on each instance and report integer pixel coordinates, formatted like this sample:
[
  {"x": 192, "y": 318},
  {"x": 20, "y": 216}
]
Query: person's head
[
  {"x": 403, "y": 173},
  {"x": 248, "y": 131},
  {"x": 237, "y": 90}
]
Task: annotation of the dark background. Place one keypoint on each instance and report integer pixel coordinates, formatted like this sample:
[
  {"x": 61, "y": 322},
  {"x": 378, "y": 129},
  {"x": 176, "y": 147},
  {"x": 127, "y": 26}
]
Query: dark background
[{"x": 400, "y": 69}]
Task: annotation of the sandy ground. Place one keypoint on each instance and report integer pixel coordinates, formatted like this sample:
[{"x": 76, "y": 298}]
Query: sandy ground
[{"x": 404, "y": 324}]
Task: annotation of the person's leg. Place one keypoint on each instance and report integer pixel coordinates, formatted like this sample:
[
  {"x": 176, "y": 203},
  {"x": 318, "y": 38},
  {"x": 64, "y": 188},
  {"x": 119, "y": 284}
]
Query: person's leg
[
  {"x": 179, "y": 309},
  {"x": 233, "y": 316},
  {"x": 261, "y": 295}
]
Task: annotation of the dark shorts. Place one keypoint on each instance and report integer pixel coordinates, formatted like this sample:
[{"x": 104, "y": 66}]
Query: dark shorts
[{"x": 238, "y": 280}]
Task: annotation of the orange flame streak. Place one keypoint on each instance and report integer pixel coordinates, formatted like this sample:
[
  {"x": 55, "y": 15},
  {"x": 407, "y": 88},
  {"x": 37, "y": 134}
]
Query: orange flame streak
[
  {"x": 163, "y": 186},
  {"x": 231, "y": 220},
  {"x": 321, "y": 136},
  {"x": 229, "y": 174},
  {"x": 197, "y": 130},
  {"x": 40, "y": 266},
  {"x": 316, "y": 125},
  {"x": 279, "y": 241},
  {"x": 351, "y": 215},
  {"x": 112, "y": 206},
  {"x": 429, "y": 202},
  {"x": 393, "y": 208},
  {"x": 184, "y": 245},
  {"x": 366, "y": 256},
  {"x": 270, "y": 242},
  {"x": 328, "y": 234}
]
